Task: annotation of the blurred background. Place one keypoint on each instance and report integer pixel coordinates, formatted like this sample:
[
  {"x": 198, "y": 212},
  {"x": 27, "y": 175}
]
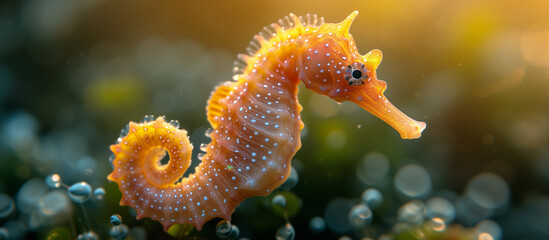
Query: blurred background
[{"x": 73, "y": 73}]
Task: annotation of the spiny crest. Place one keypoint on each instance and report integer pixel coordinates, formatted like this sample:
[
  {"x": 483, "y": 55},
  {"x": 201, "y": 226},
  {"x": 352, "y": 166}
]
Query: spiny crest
[{"x": 286, "y": 23}]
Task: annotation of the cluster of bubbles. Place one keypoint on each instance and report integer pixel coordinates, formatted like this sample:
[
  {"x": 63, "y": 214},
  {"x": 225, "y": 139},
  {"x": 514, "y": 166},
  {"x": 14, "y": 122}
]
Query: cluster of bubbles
[
  {"x": 40, "y": 205},
  {"x": 226, "y": 230},
  {"x": 421, "y": 213}
]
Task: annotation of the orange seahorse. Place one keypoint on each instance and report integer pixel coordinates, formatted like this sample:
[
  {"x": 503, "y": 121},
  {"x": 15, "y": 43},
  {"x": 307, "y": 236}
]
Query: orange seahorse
[{"x": 255, "y": 124}]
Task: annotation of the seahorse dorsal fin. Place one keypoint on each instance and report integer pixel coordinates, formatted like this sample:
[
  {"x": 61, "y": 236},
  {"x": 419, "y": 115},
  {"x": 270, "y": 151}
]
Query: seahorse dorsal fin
[
  {"x": 284, "y": 24},
  {"x": 215, "y": 107}
]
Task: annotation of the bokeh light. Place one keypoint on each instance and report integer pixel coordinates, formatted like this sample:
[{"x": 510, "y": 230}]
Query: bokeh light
[{"x": 412, "y": 181}]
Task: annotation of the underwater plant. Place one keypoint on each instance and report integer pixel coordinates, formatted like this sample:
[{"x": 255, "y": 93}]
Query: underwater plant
[{"x": 255, "y": 122}]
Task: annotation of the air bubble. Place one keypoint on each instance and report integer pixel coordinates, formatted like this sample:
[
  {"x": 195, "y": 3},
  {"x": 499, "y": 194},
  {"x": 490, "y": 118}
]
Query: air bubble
[
  {"x": 286, "y": 232},
  {"x": 223, "y": 229},
  {"x": 6, "y": 205},
  {"x": 437, "y": 224},
  {"x": 412, "y": 212},
  {"x": 441, "y": 208},
  {"x": 360, "y": 216},
  {"x": 208, "y": 133},
  {"x": 489, "y": 227},
  {"x": 203, "y": 147},
  {"x": 54, "y": 180},
  {"x": 80, "y": 192},
  {"x": 235, "y": 232},
  {"x": 174, "y": 123},
  {"x": 119, "y": 232},
  {"x": 291, "y": 181},
  {"x": 115, "y": 220},
  {"x": 99, "y": 193},
  {"x": 317, "y": 225},
  {"x": 148, "y": 118},
  {"x": 372, "y": 197},
  {"x": 111, "y": 160},
  {"x": 279, "y": 201},
  {"x": 123, "y": 132}
]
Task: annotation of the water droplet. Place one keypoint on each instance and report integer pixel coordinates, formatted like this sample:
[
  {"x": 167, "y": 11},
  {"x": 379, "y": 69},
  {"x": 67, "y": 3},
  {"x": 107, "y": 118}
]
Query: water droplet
[
  {"x": 201, "y": 156},
  {"x": 373, "y": 170},
  {"x": 235, "y": 232},
  {"x": 99, "y": 193},
  {"x": 372, "y": 197},
  {"x": 174, "y": 123},
  {"x": 360, "y": 216},
  {"x": 111, "y": 159},
  {"x": 279, "y": 201},
  {"x": 489, "y": 192},
  {"x": 412, "y": 212},
  {"x": 203, "y": 147},
  {"x": 286, "y": 232},
  {"x": 208, "y": 133},
  {"x": 148, "y": 118},
  {"x": 116, "y": 219},
  {"x": 119, "y": 232},
  {"x": 123, "y": 132},
  {"x": 291, "y": 181},
  {"x": 6, "y": 205},
  {"x": 88, "y": 236},
  {"x": 317, "y": 225},
  {"x": 441, "y": 208},
  {"x": 80, "y": 192},
  {"x": 223, "y": 229},
  {"x": 53, "y": 180},
  {"x": 412, "y": 181},
  {"x": 437, "y": 224}
]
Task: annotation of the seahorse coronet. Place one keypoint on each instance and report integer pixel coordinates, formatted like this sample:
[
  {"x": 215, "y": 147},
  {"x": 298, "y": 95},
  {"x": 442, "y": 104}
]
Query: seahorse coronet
[{"x": 255, "y": 122}]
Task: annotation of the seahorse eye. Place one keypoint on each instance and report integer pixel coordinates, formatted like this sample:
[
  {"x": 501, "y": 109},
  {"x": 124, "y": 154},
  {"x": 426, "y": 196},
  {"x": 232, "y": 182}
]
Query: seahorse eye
[{"x": 357, "y": 74}]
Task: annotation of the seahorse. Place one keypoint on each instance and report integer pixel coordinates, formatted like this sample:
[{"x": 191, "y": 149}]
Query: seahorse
[{"x": 255, "y": 122}]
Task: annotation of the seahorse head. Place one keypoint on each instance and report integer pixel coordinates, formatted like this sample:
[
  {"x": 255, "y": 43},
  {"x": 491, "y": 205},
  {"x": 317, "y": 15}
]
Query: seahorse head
[{"x": 329, "y": 63}]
